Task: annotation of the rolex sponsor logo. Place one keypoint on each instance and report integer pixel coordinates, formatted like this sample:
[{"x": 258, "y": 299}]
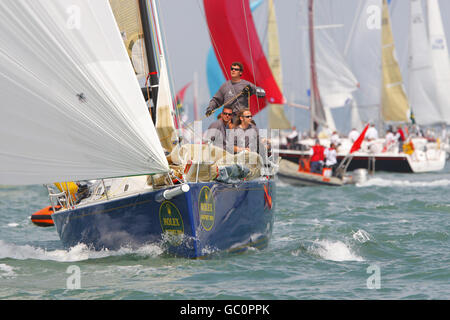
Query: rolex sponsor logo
[{"x": 207, "y": 210}]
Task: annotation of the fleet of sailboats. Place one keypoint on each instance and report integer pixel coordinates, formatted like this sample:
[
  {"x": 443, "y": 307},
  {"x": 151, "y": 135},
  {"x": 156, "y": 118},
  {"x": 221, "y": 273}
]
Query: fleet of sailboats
[
  {"x": 429, "y": 72},
  {"x": 396, "y": 105},
  {"x": 389, "y": 94},
  {"x": 89, "y": 104}
]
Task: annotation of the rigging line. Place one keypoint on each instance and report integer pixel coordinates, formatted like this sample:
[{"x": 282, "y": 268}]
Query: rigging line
[
  {"x": 219, "y": 57},
  {"x": 251, "y": 54},
  {"x": 155, "y": 27},
  {"x": 220, "y": 60}
]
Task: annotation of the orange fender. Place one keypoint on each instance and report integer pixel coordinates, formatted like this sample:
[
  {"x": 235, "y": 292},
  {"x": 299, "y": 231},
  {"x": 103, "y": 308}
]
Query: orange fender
[{"x": 43, "y": 217}]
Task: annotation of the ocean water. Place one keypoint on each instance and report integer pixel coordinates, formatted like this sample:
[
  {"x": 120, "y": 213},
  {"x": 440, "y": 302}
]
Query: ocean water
[{"x": 385, "y": 239}]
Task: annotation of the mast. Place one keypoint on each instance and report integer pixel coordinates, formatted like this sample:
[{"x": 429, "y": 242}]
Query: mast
[
  {"x": 151, "y": 60},
  {"x": 316, "y": 103}
]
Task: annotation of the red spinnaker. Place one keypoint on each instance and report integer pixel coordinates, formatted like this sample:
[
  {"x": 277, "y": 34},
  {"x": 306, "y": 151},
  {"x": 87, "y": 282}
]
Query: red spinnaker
[
  {"x": 234, "y": 38},
  {"x": 357, "y": 144}
]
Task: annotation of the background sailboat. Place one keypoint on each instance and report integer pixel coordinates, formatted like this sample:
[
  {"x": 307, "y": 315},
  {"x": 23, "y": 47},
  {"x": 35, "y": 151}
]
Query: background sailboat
[
  {"x": 322, "y": 35},
  {"x": 331, "y": 82},
  {"x": 394, "y": 109},
  {"x": 381, "y": 91},
  {"x": 424, "y": 65},
  {"x": 422, "y": 81}
]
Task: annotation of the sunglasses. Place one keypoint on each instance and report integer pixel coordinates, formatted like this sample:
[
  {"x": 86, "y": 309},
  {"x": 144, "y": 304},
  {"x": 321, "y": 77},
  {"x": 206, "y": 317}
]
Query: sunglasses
[
  {"x": 227, "y": 114},
  {"x": 248, "y": 116},
  {"x": 235, "y": 69}
]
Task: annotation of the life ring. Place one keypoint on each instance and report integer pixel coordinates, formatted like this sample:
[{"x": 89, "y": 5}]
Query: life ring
[{"x": 43, "y": 217}]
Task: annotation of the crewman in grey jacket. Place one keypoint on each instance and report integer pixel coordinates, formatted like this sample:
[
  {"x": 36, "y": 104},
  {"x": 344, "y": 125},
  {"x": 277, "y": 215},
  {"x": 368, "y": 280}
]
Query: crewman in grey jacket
[
  {"x": 234, "y": 92},
  {"x": 217, "y": 131}
]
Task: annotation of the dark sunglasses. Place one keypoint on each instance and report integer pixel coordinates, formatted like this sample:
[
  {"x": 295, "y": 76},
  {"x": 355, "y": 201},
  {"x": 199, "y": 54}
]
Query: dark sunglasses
[
  {"x": 227, "y": 114},
  {"x": 248, "y": 116},
  {"x": 235, "y": 69}
]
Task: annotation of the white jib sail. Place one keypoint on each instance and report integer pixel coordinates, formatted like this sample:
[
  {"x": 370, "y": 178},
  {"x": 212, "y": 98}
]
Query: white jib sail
[
  {"x": 336, "y": 80},
  {"x": 422, "y": 94},
  {"x": 71, "y": 106},
  {"x": 439, "y": 51},
  {"x": 165, "y": 125}
]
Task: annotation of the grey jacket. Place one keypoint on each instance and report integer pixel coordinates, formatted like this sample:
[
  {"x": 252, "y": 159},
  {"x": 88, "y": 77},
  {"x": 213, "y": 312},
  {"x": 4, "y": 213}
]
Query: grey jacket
[
  {"x": 216, "y": 133},
  {"x": 227, "y": 94},
  {"x": 247, "y": 138}
]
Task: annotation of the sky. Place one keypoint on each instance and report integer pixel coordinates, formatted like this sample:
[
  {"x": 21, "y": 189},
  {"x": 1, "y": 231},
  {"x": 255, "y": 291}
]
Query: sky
[{"x": 188, "y": 42}]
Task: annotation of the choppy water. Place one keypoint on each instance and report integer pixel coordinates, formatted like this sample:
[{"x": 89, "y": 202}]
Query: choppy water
[{"x": 386, "y": 239}]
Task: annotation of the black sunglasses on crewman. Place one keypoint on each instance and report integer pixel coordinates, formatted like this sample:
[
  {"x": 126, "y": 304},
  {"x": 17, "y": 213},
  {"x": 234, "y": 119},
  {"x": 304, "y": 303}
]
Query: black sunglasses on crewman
[
  {"x": 235, "y": 69},
  {"x": 227, "y": 114}
]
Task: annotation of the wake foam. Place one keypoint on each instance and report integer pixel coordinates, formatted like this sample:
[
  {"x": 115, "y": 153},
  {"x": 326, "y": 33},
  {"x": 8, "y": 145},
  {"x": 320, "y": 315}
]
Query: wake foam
[
  {"x": 333, "y": 250},
  {"x": 379, "y": 182},
  {"x": 361, "y": 236},
  {"x": 77, "y": 253},
  {"x": 6, "y": 271}
]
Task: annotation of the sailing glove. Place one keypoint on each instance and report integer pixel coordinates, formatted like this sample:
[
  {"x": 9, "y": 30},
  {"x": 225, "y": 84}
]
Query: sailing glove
[
  {"x": 247, "y": 89},
  {"x": 260, "y": 93}
]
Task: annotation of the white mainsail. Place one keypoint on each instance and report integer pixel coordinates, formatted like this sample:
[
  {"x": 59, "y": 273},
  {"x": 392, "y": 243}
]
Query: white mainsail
[
  {"x": 363, "y": 53},
  {"x": 72, "y": 108},
  {"x": 335, "y": 79},
  {"x": 422, "y": 84},
  {"x": 440, "y": 58}
]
